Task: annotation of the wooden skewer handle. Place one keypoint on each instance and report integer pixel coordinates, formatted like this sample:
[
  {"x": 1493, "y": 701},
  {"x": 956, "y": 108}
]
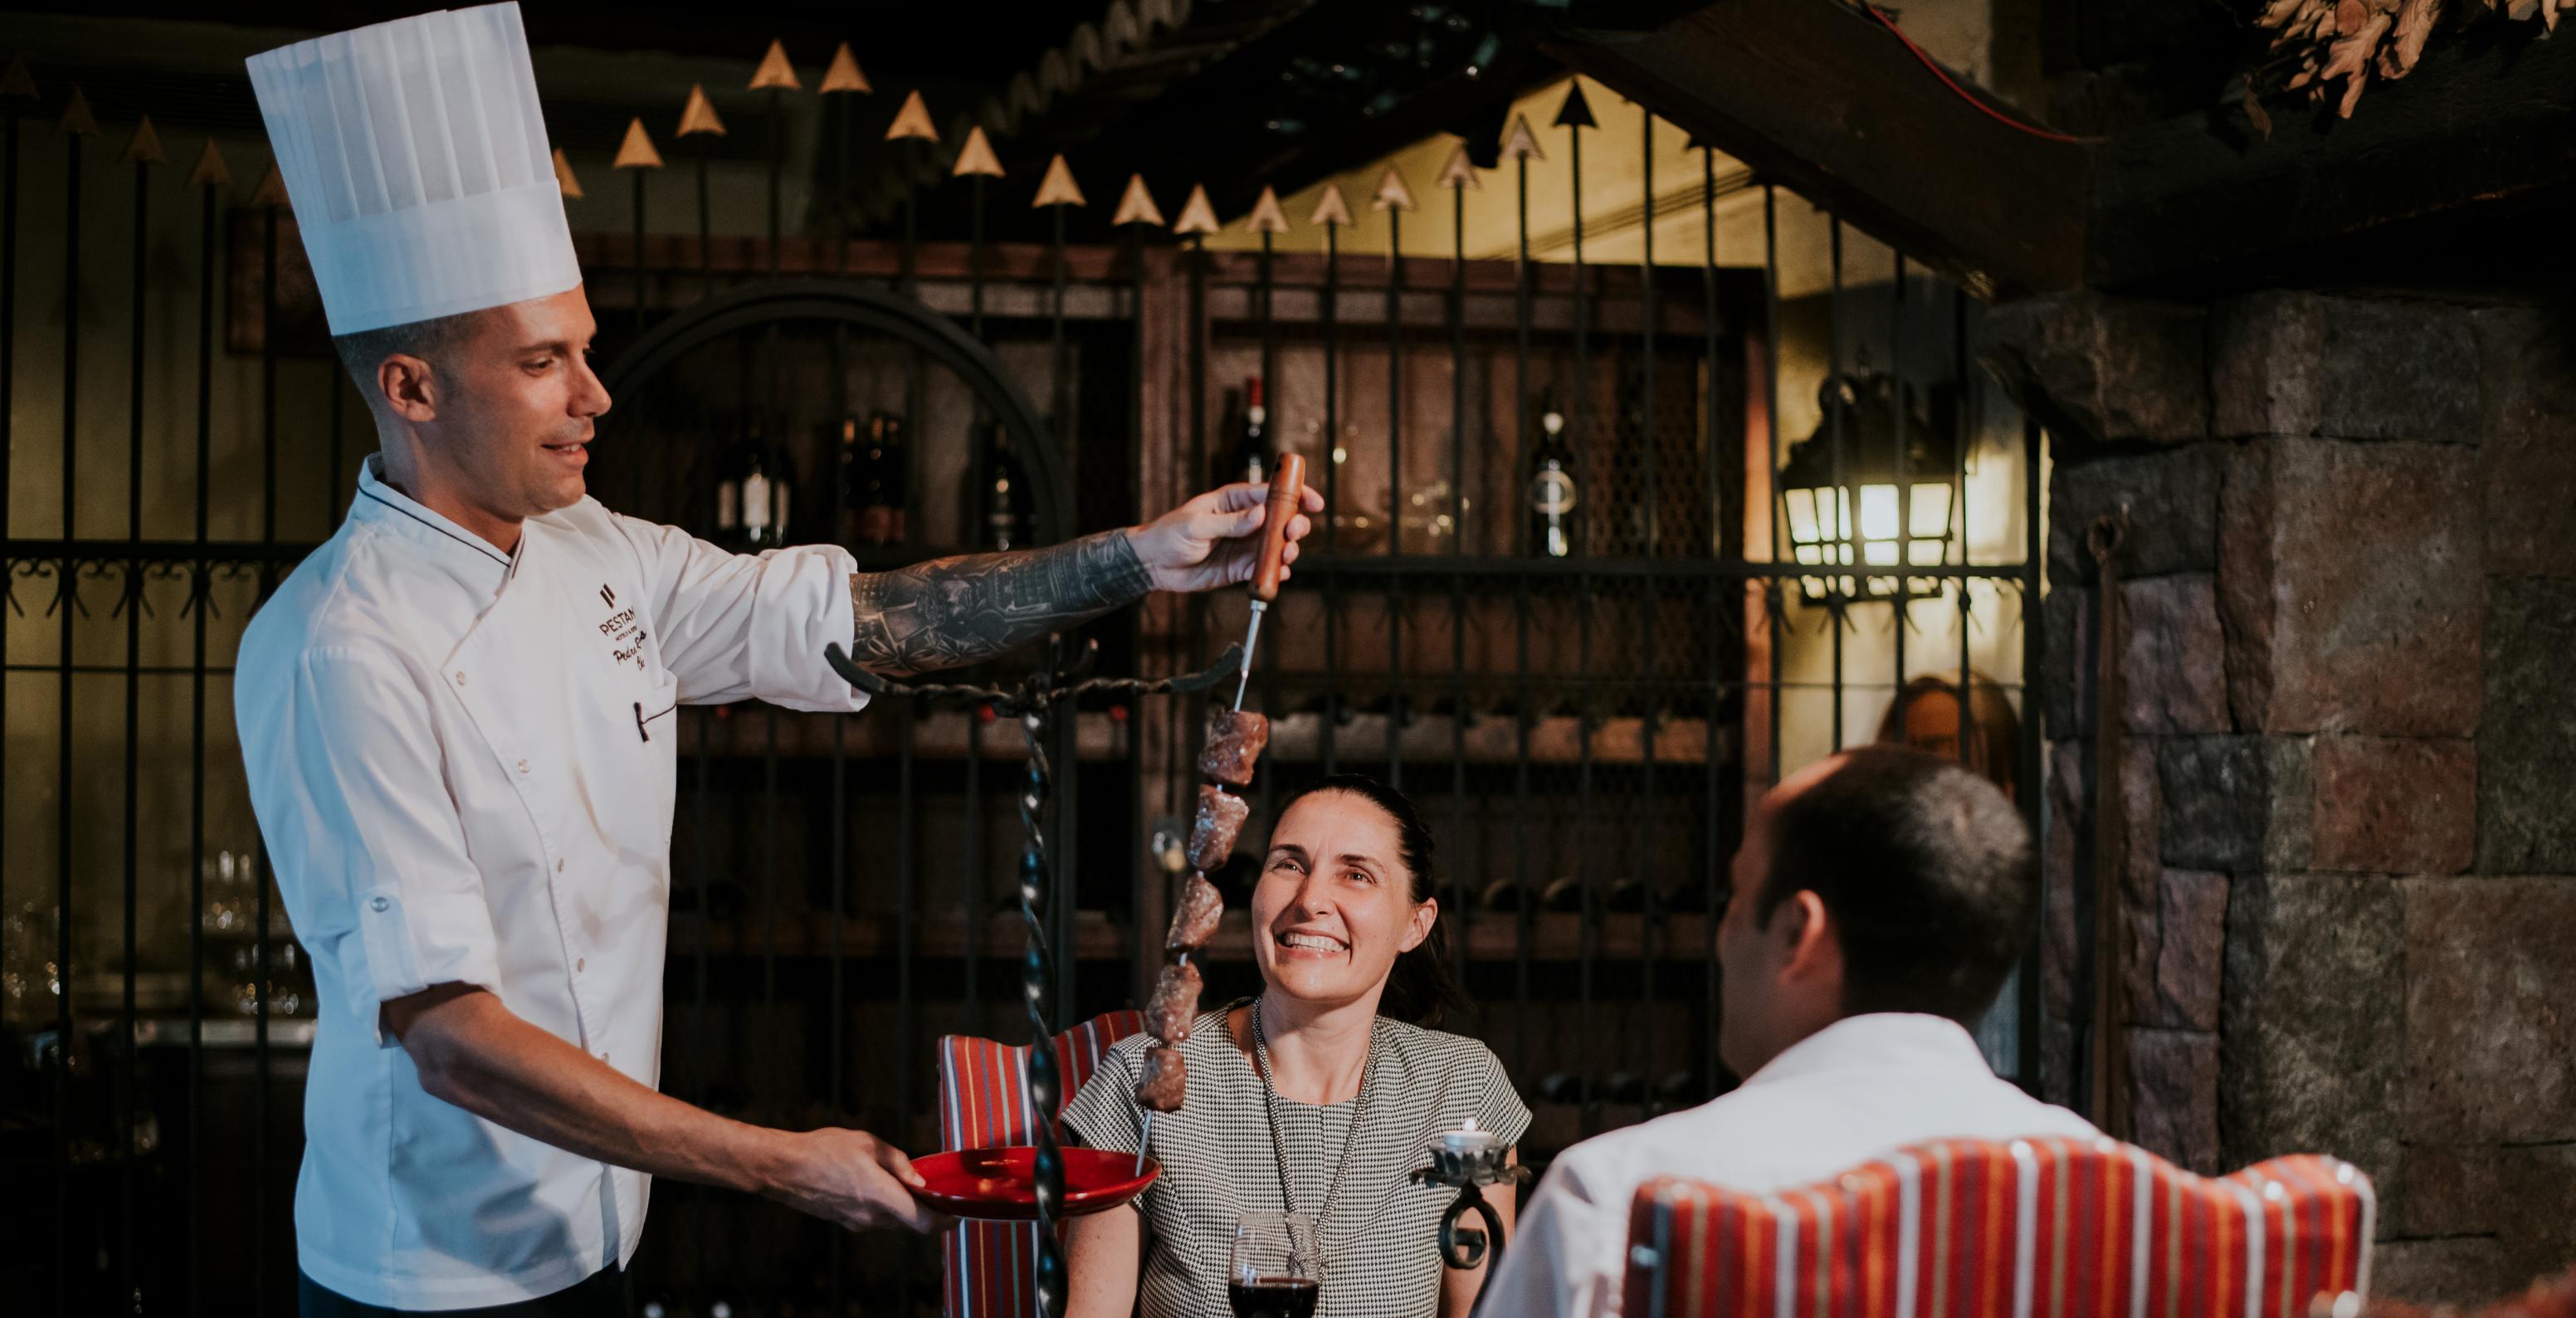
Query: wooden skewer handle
[{"x": 1286, "y": 489}]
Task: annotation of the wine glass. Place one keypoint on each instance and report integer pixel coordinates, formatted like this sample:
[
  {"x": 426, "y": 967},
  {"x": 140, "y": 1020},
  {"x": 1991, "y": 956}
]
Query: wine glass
[{"x": 1277, "y": 1266}]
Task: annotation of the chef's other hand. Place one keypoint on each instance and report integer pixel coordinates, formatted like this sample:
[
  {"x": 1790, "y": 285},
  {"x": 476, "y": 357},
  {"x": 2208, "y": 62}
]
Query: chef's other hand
[
  {"x": 854, "y": 1179},
  {"x": 1213, "y": 540}
]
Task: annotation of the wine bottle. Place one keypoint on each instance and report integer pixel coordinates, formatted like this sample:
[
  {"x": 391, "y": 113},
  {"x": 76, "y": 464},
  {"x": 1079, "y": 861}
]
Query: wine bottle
[
  {"x": 1552, "y": 494},
  {"x": 1000, "y": 514},
  {"x": 1246, "y": 454},
  {"x": 1563, "y": 895},
  {"x": 1561, "y": 1087},
  {"x": 764, "y": 492},
  {"x": 875, "y": 491},
  {"x": 1502, "y": 895},
  {"x": 1626, "y": 896},
  {"x": 734, "y": 463}
]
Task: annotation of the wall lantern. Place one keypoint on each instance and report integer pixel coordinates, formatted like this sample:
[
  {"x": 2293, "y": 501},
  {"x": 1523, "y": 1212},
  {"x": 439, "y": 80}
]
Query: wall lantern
[{"x": 1844, "y": 513}]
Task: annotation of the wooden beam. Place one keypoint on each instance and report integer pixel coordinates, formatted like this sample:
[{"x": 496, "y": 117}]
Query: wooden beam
[
  {"x": 2476, "y": 124},
  {"x": 1815, "y": 96}
]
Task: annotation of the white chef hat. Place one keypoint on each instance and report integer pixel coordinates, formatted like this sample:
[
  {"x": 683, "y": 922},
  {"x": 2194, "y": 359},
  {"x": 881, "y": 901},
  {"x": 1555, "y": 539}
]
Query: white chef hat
[{"x": 415, "y": 157}]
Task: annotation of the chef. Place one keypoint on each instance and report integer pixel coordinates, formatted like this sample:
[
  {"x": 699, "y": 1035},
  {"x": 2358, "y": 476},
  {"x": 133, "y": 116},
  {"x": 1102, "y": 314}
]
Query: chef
[{"x": 456, "y": 715}]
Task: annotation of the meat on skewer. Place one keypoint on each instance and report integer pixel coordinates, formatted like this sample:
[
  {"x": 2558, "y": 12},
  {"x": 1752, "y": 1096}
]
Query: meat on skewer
[
  {"x": 1165, "y": 1080},
  {"x": 1175, "y": 1003},
  {"x": 1220, "y": 817},
  {"x": 1235, "y": 741},
  {"x": 1194, "y": 921}
]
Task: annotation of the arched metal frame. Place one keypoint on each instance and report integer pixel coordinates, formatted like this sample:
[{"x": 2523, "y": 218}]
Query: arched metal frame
[{"x": 771, "y": 301}]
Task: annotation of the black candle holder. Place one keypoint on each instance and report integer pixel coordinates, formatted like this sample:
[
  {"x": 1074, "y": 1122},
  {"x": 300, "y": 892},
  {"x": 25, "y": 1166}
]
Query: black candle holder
[
  {"x": 1471, "y": 1173},
  {"x": 1033, "y": 701}
]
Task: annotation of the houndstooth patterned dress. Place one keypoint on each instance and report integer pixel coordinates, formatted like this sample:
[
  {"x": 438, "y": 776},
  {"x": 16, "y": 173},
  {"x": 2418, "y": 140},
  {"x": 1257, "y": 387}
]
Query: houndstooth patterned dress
[{"x": 1381, "y": 1251}]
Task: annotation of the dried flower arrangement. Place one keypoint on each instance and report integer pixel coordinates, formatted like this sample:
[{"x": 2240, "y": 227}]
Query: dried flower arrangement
[{"x": 2317, "y": 41}]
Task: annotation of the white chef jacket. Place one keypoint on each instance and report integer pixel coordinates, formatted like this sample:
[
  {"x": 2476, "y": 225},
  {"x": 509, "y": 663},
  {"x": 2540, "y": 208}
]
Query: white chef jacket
[
  {"x": 1859, "y": 1088},
  {"x": 463, "y": 764}
]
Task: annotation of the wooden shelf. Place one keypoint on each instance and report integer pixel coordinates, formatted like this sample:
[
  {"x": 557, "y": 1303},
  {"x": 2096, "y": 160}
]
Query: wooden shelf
[
  {"x": 808, "y": 934},
  {"x": 1493, "y": 936},
  {"x": 743, "y": 733},
  {"x": 1495, "y": 739}
]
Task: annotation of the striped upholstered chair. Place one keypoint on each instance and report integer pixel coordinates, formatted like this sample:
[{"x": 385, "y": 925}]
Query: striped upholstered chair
[
  {"x": 988, "y": 1268},
  {"x": 2041, "y": 1228}
]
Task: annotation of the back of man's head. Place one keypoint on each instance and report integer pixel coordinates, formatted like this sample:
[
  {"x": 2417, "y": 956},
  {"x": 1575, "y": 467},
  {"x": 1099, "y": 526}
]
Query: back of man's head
[{"x": 1925, "y": 871}]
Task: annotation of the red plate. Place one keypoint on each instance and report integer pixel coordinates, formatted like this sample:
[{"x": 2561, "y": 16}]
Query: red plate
[{"x": 998, "y": 1185}]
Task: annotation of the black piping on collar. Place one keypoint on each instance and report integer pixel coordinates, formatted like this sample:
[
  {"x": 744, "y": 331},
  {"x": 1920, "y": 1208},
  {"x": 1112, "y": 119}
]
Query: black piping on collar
[{"x": 487, "y": 550}]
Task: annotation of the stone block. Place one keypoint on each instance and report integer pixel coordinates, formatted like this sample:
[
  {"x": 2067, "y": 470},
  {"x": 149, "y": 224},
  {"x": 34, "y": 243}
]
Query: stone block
[
  {"x": 2400, "y": 370},
  {"x": 2309, "y": 1038},
  {"x": 2536, "y": 1186},
  {"x": 2191, "y": 948},
  {"x": 2171, "y": 497},
  {"x": 2490, "y": 1023},
  {"x": 2068, "y": 862},
  {"x": 2527, "y": 751},
  {"x": 2173, "y": 1096},
  {"x": 2351, "y": 586},
  {"x": 2396, "y": 805},
  {"x": 2097, "y": 368},
  {"x": 2466, "y": 1271},
  {"x": 2530, "y": 455},
  {"x": 2443, "y": 1190},
  {"x": 2287, "y": 363},
  {"x": 2266, "y": 364},
  {"x": 2173, "y": 672},
  {"x": 2234, "y": 803}
]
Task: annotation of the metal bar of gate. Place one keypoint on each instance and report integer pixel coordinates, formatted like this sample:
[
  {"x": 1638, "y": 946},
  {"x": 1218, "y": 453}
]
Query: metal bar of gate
[
  {"x": 1524, "y": 908},
  {"x": 1715, "y": 861},
  {"x": 1647, "y": 875},
  {"x": 1901, "y": 588},
  {"x": 1460, "y": 922},
  {"x": 260, "y": 871},
  {"x": 8, "y": 382},
  {"x": 68, "y": 602},
  {"x": 201, "y": 603},
  {"x": 133, "y": 605},
  {"x": 1332, "y": 455},
  {"x": 1395, "y": 703},
  {"x": 1775, "y": 599}
]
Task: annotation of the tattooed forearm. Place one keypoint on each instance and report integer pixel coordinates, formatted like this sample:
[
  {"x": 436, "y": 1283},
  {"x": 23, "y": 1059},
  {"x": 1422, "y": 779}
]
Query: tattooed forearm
[{"x": 953, "y": 611}]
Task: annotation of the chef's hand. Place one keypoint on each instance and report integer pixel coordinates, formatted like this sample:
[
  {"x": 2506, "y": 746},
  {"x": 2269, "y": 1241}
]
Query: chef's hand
[
  {"x": 1213, "y": 540},
  {"x": 854, "y": 1179}
]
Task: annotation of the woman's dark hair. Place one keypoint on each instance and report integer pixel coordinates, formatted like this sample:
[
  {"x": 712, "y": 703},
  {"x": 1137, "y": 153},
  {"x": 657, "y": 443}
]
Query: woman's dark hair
[{"x": 1420, "y": 987}]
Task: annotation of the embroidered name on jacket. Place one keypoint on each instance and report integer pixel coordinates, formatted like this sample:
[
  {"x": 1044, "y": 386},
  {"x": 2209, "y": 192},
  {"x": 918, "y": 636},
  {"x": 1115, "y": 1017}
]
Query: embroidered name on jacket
[{"x": 624, "y": 633}]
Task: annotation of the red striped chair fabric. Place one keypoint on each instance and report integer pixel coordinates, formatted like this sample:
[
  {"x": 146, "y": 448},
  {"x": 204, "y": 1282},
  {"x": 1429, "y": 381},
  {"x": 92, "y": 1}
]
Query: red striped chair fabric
[
  {"x": 988, "y": 1268},
  {"x": 2038, "y": 1228}
]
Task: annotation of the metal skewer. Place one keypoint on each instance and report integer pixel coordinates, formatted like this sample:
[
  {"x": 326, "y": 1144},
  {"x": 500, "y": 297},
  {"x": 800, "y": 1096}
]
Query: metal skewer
[{"x": 1287, "y": 489}]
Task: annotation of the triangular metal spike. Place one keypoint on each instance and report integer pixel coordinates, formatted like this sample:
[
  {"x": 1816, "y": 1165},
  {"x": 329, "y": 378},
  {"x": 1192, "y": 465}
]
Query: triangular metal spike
[
  {"x": 77, "y": 121},
  {"x": 16, "y": 81},
  {"x": 1266, "y": 215},
  {"x": 976, "y": 157},
  {"x": 565, "y": 181},
  {"x": 1520, "y": 143},
  {"x": 775, "y": 71},
  {"x": 1330, "y": 208},
  {"x": 1136, "y": 205},
  {"x": 1460, "y": 172},
  {"x": 637, "y": 152},
  {"x": 1392, "y": 195},
  {"x": 699, "y": 115},
  {"x": 144, "y": 146},
  {"x": 210, "y": 169},
  {"x": 1576, "y": 112},
  {"x": 913, "y": 120},
  {"x": 844, "y": 75},
  {"x": 1058, "y": 187},
  {"x": 271, "y": 190},
  {"x": 1197, "y": 216}
]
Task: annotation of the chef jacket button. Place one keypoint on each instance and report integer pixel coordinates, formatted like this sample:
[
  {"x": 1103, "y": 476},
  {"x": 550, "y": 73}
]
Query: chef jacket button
[
  {"x": 523, "y": 766},
  {"x": 460, "y": 677},
  {"x": 379, "y": 904},
  {"x": 559, "y": 864},
  {"x": 603, "y": 1054},
  {"x": 579, "y": 963}
]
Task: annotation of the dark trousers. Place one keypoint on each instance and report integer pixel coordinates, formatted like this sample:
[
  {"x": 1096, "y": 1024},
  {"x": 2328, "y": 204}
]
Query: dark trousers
[{"x": 601, "y": 1295}]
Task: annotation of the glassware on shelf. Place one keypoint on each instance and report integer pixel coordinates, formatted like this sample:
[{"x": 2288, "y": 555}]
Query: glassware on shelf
[
  {"x": 1432, "y": 515},
  {"x": 30, "y": 979}
]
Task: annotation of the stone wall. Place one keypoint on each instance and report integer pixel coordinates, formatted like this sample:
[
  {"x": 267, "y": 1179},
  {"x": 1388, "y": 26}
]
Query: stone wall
[{"x": 2350, "y": 702}]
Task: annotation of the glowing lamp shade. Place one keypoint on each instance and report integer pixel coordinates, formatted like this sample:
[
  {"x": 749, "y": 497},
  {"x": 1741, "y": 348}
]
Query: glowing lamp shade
[{"x": 1857, "y": 501}]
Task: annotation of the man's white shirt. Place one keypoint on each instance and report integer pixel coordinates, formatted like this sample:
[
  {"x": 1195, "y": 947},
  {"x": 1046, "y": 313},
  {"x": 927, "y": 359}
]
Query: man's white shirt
[
  {"x": 1861, "y": 1087},
  {"x": 463, "y": 763}
]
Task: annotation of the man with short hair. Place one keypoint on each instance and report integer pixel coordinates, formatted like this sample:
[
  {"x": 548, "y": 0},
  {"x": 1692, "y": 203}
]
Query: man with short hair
[
  {"x": 1881, "y": 899},
  {"x": 456, "y": 715}
]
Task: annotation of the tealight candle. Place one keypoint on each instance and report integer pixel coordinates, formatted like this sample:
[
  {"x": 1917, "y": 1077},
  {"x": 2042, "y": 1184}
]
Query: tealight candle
[{"x": 1468, "y": 1142}]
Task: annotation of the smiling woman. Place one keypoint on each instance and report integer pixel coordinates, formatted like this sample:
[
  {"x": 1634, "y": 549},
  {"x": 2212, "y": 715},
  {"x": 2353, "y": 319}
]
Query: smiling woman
[{"x": 1320, "y": 1097}]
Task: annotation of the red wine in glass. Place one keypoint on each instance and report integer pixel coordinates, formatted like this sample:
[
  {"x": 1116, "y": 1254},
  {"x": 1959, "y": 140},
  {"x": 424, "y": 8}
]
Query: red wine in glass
[{"x": 1273, "y": 1297}]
